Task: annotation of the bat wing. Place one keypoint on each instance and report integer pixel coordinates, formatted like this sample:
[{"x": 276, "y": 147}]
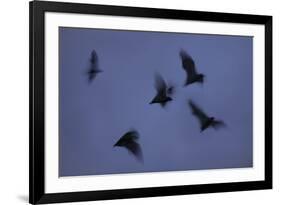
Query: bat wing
[
  {"x": 197, "y": 112},
  {"x": 128, "y": 137},
  {"x": 131, "y": 135},
  {"x": 135, "y": 149},
  {"x": 188, "y": 64},
  {"x": 160, "y": 85},
  {"x": 94, "y": 62},
  {"x": 94, "y": 57}
]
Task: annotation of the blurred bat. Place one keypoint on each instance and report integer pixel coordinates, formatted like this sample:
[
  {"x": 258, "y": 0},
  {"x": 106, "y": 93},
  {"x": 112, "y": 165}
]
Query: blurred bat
[
  {"x": 204, "y": 120},
  {"x": 164, "y": 92},
  {"x": 129, "y": 141},
  {"x": 93, "y": 68},
  {"x": 190, "y": 68}
]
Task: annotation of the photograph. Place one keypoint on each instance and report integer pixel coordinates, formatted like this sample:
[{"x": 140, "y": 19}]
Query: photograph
[{"x": 143, "y": 101}]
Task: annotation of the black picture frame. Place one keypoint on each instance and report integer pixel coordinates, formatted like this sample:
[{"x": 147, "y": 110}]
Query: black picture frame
[{"x": 37, "y": 194}]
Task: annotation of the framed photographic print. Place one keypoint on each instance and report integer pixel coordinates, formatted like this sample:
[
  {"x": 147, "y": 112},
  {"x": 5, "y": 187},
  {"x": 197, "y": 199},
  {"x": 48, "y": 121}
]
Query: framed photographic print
[{"x": 140, "y": 102}]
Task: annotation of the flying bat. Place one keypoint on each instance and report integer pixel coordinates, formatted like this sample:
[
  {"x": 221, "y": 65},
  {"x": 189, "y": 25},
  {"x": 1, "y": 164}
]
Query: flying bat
[
  {"x": 204, "y": 120},
  {"x": 129, "y": 142},
  {"x": 94, "y": 67},
  {"x": 190, "y": 68},
  {"x": 164, "y": 92}
]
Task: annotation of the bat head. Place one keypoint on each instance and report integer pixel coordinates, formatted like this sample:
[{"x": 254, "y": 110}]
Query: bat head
[
  {"x": 201, "y": 78},
  {"x": 169, "y": 99},
  {"x": 171, "y": 90}
]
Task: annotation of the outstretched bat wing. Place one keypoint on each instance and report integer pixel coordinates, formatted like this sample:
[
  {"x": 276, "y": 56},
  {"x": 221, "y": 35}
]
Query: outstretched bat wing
[
  {"x": 188, "y": 64},
  {"x": 135, "y": 149},
  {"x": 160, "y": 85},
  {"x": 197, "y": 112}
]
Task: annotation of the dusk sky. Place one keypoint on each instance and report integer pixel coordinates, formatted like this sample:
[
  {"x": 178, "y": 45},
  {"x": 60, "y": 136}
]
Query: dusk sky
[{"x": 93, "y": 116}]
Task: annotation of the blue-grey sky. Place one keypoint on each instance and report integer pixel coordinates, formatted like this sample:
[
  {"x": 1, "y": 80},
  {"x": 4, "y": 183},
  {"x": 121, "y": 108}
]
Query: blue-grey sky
[{"x": 93, "y": 116}]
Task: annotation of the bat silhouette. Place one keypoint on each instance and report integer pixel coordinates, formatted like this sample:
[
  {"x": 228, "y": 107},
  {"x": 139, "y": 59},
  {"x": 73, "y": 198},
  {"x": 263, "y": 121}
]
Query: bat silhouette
[
  {"x": 94, "y": 67},
  {"x": 190, "y": 69},
  {"x": 204, "y": 120},
  {"x": 164, "y": 92},
  {"x": 129, "y": 142}
]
